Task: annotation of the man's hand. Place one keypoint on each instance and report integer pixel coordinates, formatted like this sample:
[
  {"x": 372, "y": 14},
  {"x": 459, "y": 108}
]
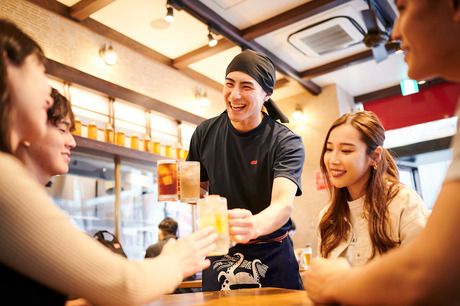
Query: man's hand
[
  {"x": 242, "y": 225},
  {"x": 319, "y": 278}
]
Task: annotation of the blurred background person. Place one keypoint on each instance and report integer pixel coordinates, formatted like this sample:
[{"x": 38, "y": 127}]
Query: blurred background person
[{"x": 167, "y": 229}]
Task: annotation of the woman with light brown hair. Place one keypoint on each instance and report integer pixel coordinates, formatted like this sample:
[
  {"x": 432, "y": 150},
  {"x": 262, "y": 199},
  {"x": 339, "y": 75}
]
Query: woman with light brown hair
[
  {"x": 44, "y": 258},
  {"x": 370, "y": 210}
]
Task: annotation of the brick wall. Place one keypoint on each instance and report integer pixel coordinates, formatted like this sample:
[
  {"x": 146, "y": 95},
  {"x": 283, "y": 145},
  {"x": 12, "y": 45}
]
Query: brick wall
[{"x": 67, "y": 42}]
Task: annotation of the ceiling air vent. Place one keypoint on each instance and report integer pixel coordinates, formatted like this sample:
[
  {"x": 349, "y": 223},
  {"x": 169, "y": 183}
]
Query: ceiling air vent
[{"x": 326, "y": 36}]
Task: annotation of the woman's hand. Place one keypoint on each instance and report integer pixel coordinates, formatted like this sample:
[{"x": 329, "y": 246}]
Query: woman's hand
[
  {"x": 321, "y": 276},
  {"x": 191, "y": 250},
  {"x": 242, "y": 225}
]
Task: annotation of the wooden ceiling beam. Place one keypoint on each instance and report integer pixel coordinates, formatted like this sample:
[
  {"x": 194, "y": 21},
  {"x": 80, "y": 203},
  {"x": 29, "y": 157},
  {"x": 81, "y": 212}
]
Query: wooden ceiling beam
[
  {"x": 281, "y": 82},
  {"x": 220, "y": 25},
  {"x": 99, "y": 28},
  {"x": 298, "y": 13},
  {"x": 345, "y": 62},
  {"x": 202, "y": 53},
  {"x": 85, "y": 8}
]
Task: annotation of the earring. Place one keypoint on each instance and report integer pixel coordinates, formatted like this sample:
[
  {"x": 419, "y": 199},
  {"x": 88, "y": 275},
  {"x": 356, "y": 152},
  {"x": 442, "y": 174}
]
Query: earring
[
  {"x": 26, "y": 143},
  {"x": 375, "y": 166}
]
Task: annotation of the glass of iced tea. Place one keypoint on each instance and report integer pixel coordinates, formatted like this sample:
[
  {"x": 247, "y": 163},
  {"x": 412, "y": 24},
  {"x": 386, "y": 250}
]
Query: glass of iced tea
[
  {"x": 189, "y": 182},
  {"x": 212, "y": 211},
  {"x": 167, "y": 180}
]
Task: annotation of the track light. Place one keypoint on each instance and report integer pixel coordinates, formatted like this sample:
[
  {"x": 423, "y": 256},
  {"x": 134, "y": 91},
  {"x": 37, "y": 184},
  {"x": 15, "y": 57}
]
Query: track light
[
  {"x": 108, "y": 54},
  {"x": 169, "y": 12},
  {"x": 212, "y": 41},
  {"x": 201, "y": 97},
  {"x": 298, "y": 115}
]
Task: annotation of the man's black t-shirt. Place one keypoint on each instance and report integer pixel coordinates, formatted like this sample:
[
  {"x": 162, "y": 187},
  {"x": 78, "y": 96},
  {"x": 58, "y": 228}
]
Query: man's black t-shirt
[{"x": 242, "y": 166}]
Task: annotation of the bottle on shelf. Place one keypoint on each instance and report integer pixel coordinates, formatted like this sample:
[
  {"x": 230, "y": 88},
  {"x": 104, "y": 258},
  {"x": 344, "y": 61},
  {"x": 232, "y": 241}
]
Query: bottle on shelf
[
  {"x": 178, "y": 152},
  {"x": 134, "y": 142},
  {"x": 92, "y": 130},
  {"x": 109, "y": 134},
  {"x": 77, "y": 127},
  {"x": 169, "y": 151},
  {"x": 120, "y": 138},
  {"x": 148, "y": 144},
  {"x": 156, "y": 147}
]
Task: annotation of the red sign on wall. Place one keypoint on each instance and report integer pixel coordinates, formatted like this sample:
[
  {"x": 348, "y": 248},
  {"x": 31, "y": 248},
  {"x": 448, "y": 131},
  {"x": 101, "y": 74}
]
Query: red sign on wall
[{"x": 320, "y": 181}]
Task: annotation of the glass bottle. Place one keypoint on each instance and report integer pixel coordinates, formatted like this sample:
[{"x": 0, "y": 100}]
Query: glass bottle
[
  {"x": 148, "y": 145},
  {"x": 156, "y": 147},
  {"x": 120, "y": 138},
  {"x": 169, "y": 151},
  {"x": 109, "y": 135},
  {"x": 92, "y": 130},
  {"x": 77, "y": 127},
  {"x": 179, "y": 152},
  {"x": 134, "y": 142}
]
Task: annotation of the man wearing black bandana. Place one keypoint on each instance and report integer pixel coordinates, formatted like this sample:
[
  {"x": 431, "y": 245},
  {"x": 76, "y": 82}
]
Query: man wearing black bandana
[{"x": 256, "y": 163}]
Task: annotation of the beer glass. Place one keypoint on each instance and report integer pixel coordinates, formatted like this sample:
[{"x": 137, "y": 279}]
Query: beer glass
[
  {"x": 189, "y": 173},
  {"x": 167, "y": 180},
  {"x": 212, "y": 211}
]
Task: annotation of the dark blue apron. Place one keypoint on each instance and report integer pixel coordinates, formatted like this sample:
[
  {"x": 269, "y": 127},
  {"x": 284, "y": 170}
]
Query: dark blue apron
[{"x": 262, "y": 264}]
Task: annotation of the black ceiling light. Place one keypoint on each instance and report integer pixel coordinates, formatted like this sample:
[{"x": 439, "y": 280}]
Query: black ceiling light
[
  {"x": 375, "y": 38},
  {"x": 212, "y": 41},
  {"x": 169, "y": 12}
]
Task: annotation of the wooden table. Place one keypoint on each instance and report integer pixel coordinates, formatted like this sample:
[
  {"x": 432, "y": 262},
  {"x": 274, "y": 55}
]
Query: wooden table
[{"x": 249, "y": 297}]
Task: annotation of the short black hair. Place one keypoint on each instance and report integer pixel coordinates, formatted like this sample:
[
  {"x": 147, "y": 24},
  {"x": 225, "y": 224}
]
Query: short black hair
[{"x": 168, "y": 226}]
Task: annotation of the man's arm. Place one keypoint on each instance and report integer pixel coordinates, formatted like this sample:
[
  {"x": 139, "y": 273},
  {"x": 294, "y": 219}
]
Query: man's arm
[
  {"x": 425, "y": 271},
  {"x": 245, "y": 226}
]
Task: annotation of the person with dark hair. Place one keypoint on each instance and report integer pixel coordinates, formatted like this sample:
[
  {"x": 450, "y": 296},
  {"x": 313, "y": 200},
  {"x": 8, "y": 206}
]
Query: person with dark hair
[
  {"x": 256, "y": 164},
  {"x": 44, "y": 258},
  {"x": 51, "y": 155},
  {"x": 167, "y": 229},
  {"x": 426, "y": 270},
  {"x": 370, "y": 211}
]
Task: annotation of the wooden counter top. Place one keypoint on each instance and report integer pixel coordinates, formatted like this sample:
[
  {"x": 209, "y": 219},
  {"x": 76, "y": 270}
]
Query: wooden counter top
[{"x": 248, "y": 297}]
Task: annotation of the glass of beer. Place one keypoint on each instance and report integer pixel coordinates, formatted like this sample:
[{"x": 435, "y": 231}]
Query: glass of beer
[
  {"x": 212, "y": 211},
  {"x": 167, "y": 180},
  {"x": 189, "y": 172}
]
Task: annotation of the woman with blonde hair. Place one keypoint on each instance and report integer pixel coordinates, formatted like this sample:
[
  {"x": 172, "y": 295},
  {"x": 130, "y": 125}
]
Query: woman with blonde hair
[
  {"x": 44, "y": 258},
  {"x": 370, "y": 210}
]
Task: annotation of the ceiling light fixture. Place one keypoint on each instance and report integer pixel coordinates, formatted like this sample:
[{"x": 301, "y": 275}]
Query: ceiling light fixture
[
  {"x": 169, "y": 12},
  {"x": 298, "y": 115},
  {"x": 108, "y": 54},
  {"x": 212, "y": 41},
  {"x": 201, "y": 96}
]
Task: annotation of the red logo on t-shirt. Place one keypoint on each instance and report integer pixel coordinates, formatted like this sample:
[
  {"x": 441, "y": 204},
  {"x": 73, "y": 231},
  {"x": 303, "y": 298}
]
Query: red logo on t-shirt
[{"x": 253, "y": 162}]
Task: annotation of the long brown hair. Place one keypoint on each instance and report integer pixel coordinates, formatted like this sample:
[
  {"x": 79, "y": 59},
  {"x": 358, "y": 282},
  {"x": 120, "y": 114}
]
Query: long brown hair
[
  {"x": 382, "y": 187},
  {"x": 15, "y": 47}
]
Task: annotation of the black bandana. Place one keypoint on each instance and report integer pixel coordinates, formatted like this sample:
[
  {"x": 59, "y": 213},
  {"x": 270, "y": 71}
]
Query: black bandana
[{"x": 261, "y": 69}]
